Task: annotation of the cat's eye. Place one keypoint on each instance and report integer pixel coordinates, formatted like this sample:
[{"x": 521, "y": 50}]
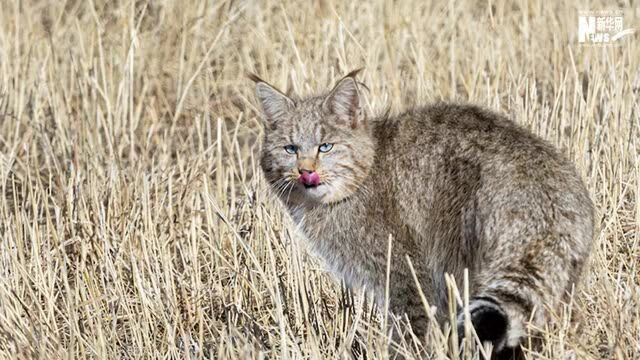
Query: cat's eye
[
  {"x": 326, "y": 147},
  {"x": 291, "y": 149}
]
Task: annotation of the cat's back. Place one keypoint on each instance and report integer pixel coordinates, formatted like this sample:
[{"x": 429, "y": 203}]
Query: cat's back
[
  {"x": 457, "y": 161},
  {"x": 451, "y": 127},
  {"x": 421, "y": 140}
]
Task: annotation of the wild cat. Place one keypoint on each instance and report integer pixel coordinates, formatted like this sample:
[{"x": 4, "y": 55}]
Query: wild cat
[{"x": 456, "y": 186}]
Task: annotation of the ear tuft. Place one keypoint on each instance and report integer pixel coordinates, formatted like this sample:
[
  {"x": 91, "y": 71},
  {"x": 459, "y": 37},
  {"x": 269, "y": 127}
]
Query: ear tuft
[
  {"x": 344, "y": 101},
  {"x": 354, "y": 73},
  {"x": 274, "y": 103},
  {"x": 253, "y": 77}
]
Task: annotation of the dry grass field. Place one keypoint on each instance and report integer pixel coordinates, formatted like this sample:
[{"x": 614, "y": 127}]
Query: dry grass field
[{"x": 134, "y": 222}]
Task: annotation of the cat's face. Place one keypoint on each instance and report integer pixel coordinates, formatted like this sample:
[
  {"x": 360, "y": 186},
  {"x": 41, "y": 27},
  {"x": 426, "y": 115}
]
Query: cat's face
[{"x": 316, "y": 150}]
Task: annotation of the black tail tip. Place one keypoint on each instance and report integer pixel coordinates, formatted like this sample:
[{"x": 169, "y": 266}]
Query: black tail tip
[{"x": 491, "y": 325}]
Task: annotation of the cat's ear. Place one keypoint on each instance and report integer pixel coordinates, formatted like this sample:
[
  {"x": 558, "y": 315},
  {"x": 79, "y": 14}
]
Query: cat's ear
[
  {"x": 344, "y": 101},
  {"x": 274, "y": 103}
]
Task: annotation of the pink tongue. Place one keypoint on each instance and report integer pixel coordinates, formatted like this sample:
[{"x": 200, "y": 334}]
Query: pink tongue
[{"x": 310, "y": 178}]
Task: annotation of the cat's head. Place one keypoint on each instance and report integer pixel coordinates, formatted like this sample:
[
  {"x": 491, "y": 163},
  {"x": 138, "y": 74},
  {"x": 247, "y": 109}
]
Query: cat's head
[{"x": 318, "y": 149}]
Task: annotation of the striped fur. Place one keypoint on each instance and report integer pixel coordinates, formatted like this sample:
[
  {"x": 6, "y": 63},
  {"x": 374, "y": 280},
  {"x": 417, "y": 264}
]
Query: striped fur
[{"x": 456, "y": 186}]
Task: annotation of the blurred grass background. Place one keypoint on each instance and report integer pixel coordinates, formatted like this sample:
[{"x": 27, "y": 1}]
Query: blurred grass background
[{"x": 133, "y": 219}]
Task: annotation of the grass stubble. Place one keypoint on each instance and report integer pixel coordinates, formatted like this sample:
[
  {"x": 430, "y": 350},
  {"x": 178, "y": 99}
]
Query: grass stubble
[{"x": 133, "y": 218}]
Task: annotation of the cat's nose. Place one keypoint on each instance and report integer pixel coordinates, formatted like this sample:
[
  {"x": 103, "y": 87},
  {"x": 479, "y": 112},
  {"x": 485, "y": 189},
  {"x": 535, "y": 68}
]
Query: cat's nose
[{"x": 309, "y": 178}]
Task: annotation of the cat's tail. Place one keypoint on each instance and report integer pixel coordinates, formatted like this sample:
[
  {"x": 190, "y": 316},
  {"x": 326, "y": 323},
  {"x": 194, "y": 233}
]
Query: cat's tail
[
  {"x": 493, "y": 323},
  {"x": 512, "y": 292}
]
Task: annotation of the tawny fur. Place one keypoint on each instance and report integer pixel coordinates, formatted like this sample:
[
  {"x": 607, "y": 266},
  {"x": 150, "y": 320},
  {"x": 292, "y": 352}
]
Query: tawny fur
[{"x": 456, "y": 186}]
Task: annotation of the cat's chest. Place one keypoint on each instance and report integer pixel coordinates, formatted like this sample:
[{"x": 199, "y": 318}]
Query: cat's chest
[
  {"x": 339, "y": 228},
  {"x": 345, "y": 241}
]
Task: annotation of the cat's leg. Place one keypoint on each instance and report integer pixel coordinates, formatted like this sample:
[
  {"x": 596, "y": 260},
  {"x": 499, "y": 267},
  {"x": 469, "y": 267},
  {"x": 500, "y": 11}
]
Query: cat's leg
[{"x": 405, "y": 303}]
